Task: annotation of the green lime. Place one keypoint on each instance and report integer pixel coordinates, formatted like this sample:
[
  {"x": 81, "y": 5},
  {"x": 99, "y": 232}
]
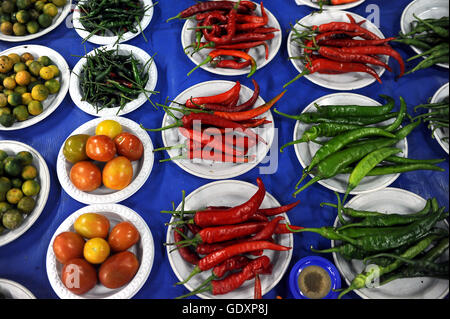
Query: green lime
[
  {"x": 16, "y": 183},
  {"x": 19, "y": 66},
  {"x": 14, "y": 195},
  {"x": 25, "y": 157},
  {"x": 29, "y": 172},
  {"x": 45, "y": 20},
  {"x": 7, "y": 120},
  {"x": 35, "y": 108},
  {"x": 19, "y": 29},
  {"x": 53, "y": 86},
  {"x": 13, "y": 166},
  {"x": 32, "y": 27},
  {"x": 31, "y": 188},
  {"x": 21, "y": 113},
  {"x": 12, "y": 219},
  {"x": 5, "y": 184},
  {"x": 23, "y": 16},
  {"x": 15, "y": 99},
  {"x": 26, "y": 205}
]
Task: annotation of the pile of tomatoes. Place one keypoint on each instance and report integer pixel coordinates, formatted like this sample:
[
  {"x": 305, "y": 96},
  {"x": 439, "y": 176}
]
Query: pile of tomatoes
[
  {"x": 93, "y": 253},
  {"x": 104, "y": 158}
]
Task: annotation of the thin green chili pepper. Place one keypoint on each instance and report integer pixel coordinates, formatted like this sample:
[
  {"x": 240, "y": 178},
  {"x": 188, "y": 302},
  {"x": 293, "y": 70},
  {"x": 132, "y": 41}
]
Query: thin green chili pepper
[
  {"x": 398, "y": 121},
  {"x": 442, "y": 32},
  {"x": 396, "y": 169}
]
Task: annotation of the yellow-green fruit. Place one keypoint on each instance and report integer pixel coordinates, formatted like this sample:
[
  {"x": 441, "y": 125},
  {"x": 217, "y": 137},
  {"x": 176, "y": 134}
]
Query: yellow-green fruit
[
  {"x": 6, "y": 28},
  {"x": 3, "y": 100},
  {"x": 14, "y": 195},
  {"x": 20, "y": 66},
  {"x": 32, "y": 27},
  {"x": 26, "y": 98},
  {"x": 14, "y": 57},
  {"x": 19, "y": 29},
  {"x": 20, "y": 89},
  {"x": 6, "y": 64},
  {"x": 50, "y": 9},
  {"x": 35, "y": 67},
  {"x": 46, "y": 73},
  {"x": 53, "y": 86},
  {"x": 23, "y": 16},
  {"x": 9, "y": 83},
  {"x": 14, "y": 99},
  {"x": 44, "y": 60},
  {"x": 21, "y": 113},
  {"x": 39, "y": 92},
  {"x": 59, "y": 3},
  {"x": 29, "y": 172},
  {"x": 27, "y": 56},
  {"x": 35, "y": 108},
  {"x": 54, "y": 69},
  {"x": 31, "y": 188}
]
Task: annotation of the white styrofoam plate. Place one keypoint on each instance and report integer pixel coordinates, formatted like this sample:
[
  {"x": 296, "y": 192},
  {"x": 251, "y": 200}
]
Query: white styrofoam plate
[
  {"x": 346, "y": 6},
  {"x": 258, "y": 53},
  {"x": 391, "y": 200},
  {"x": 306, "y": 151},
  {"x": 424, "y": 9},
  {"x": 13, "y": 290},
  {"x": 103, "y": 195},
  {"x": 123, "y": 49},
  {"x": 144, "y": 250},
  {"x": 13, "y": 147},
  {"x": 57, "y": 20},
  {"x": 345, "y": 81},
  {"x": 217, "y": 170},
  {"x": 439, "y": 134},
  {"x": 232, "y": 193},
  {"x": 53, "y": 100},
  {"x": 111, "y": 39}
]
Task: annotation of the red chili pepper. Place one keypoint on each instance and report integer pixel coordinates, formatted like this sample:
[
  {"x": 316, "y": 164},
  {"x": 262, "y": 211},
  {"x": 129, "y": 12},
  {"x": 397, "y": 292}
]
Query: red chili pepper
[
  {"x": 335, "y": 55},
  {"x": 235, "y": 280},
  {"x": 345, "y": 26},
  {"x": 258, "y": 288},
  {"x": 267, "y": 232},
  {"x": 258, "y": 217},
  {"x": 235, "y": 215},
  {"x": 219, "y": 52},
  {"x": 221, "y": 98},
  {"x": 327, "y": 66},
  {"x": 217, "y": 13},
  {"x": 230, "y": 30},
  {"x": 255, "y": 122},
  {"x": 193, "y": 228},
  {"x": 199, "y": 153},
  {"x": 282, "y": 229},
  {"x": 278, "y": 210},
  {"x": 185, "y": 252},
  {"x": 211, "y": 6},
  {"x": 232, "y": 64},
  {"x": 215, "y": 144},
  {"x": 335, "y": 34},
  {"x": 265, "y": 30},
  {"x": 252, "y": 113},
  {"x": 254, "y": 24},
  {"x": 233, "y": 263},
  {"x": 383, "y": 50},
  {"x": 230, "y": 138},
  {"x": 354, "y": 43}
]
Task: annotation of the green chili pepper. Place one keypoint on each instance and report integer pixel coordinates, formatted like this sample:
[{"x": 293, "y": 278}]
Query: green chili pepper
[
  {"x": 398, "y": 121},
  {"x": 395, "y": 169},
  {"x": 353, "y": 212},
  {"x": 442, "y": 32}
]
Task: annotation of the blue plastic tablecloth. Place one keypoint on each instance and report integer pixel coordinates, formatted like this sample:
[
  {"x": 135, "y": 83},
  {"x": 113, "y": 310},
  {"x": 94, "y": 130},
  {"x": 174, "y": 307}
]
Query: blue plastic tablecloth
[{"x": 23, "y": 260}]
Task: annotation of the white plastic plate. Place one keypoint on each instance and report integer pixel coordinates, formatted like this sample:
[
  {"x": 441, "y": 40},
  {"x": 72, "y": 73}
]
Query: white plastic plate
[
  {"x": 103, "y": 195},
  {"x": 111, "y": 39},
  {"x": 209, "y": 169},
  {"x": 258, "y": 53},
  {"x": 232, "y": 193},
  {"x": 306, "y": 151},
  {"x": 345, "y": 81},
  {"x": 391, "y": 200},
  {"x": 439, "y": 134},
  {"x": 124, "y": 49},
  {"x": 424, "y": 9},
  {"x": 57, "y": 20},
  {"x": 13, "y": 147},
  {"x": 53, "y": 100},
  {"x": 346, "y": 6},
  {"x": 13, "y": 290},
  {"x": 144, "y": 250}
]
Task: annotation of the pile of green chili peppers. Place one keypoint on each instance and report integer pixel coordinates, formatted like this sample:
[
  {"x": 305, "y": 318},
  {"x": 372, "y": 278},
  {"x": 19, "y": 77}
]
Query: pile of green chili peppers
[
  {"x": 357, "y": 147},
  {"x": 395, "y": 245},
  {"x": 436, "y": 116},
  {"x": 110, "y": 79},
  {"x": 431, "y": 36}
]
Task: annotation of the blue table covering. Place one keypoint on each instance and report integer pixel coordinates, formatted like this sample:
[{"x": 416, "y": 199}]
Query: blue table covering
[{"x": 23, "y": 260}]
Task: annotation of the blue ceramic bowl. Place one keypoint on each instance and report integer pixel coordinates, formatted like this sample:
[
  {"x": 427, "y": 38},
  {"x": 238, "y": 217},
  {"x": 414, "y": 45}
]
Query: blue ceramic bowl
[{"x": 314, "y": 261}]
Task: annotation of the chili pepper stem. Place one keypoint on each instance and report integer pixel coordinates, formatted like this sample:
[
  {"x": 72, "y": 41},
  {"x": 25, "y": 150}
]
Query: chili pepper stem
[
  {"x": 194, "y": 272},
  {"x": 206, "y": 61},
  {"x": 305, "y": 72}
]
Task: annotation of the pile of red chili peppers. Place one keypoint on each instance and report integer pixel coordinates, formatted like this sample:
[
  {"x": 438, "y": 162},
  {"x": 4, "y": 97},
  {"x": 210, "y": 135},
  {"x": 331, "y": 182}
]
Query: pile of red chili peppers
[
  {"x": 217, "y": 128},
  {"x": 343, "y": 47},
  {"x": 221, "y": 239},
  {"x": 229, "y": 29}
]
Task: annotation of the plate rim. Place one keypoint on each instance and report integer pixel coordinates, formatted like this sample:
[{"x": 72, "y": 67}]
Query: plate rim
[
  {"x": 113, "y": 208},
  {"x": 247, "y": 184},
  {"x": 328, "y": 7},
  {"x": 60, "y": 96},
  {"x": 18, "y": 286},
  {"x": 91, "y": 199},
  {"x": 102, "y": 40},
  {"x": 348, "y": 204},
  {"x": 64, "y": 13},
  {"x": 322, "y": 182},
  {"x": 45, "y": 184},
  {"x": 434, "y": 100},
  {"x": 368, "y": 80},
  {"x": 86, "y": 107},
  {"x": 228, "y": 176},
  {"x": 231, "y": 72}
]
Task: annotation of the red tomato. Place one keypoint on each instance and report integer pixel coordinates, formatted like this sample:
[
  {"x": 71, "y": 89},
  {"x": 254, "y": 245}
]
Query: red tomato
[
  {"x": 118, "y": 173},
  {"x": 86, "y": 176},
  {"x": 100, "y": 148},
  {"x": 123, "y": 236},
  {"x": 68, "y": 245},
  {"x": 118, "y": 269},
  {"x": 129, "y": 145},
  {"x": 91, "y": 225},
  {"x": 79, "y": 276}
]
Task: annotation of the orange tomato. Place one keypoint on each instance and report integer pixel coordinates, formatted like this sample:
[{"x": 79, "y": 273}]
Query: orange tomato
[
  {"x": 79, "y": 276},
  {"x": 123, "y": 236},
  {"x": 68, "y": 245},
  {"x": 118, "y": 173},
  {"x": 100, "y": 148},
  {"x": 86, "y": 176},
  {"x": 92, "y": 225},
  {"x": 96, "y": 250},
  {"x": 118, "y": 270}
]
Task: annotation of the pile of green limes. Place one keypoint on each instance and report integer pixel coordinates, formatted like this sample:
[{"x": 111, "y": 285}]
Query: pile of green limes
[
  {"x": 22, "y": 17},
  {"x": 18, "y": 188}
]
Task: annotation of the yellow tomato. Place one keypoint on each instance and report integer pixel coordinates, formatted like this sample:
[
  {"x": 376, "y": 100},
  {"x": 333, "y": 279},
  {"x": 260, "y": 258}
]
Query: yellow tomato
[
  {"x": 109, "y": 128},
  {"x": 96, "y": 250}
]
